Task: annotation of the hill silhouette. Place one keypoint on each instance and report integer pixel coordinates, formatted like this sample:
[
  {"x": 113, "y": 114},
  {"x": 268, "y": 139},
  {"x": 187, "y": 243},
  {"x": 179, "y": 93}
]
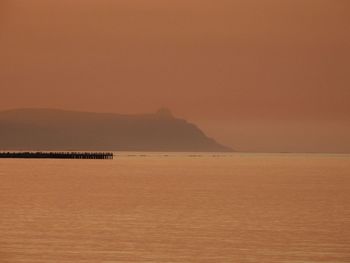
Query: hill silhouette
[{"x": 49, "y": 129}]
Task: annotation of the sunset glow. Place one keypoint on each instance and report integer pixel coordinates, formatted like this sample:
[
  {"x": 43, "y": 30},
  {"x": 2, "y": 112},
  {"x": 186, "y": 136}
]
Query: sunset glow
[{"x": 256, "y": 75}]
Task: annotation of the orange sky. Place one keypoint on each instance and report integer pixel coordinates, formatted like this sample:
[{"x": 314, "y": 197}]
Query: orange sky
[{"x": 244, "y": 70}]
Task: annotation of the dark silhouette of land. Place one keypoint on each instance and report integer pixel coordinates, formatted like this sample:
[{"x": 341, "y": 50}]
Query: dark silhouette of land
[
  {"x": 58, "y": 130},
  {"x": 57, "y": 155}
]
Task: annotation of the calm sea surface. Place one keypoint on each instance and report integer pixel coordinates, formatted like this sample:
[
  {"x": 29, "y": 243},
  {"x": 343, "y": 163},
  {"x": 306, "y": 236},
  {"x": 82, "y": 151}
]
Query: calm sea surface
[{"x": 176, "y": 208}]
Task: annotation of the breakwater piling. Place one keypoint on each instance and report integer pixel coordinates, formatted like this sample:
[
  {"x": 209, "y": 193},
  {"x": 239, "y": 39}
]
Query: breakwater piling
[{"x": 57, "y": 155}]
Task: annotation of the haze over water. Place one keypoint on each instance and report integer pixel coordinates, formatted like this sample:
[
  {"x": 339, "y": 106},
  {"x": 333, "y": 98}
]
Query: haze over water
[{"x": 176, "y": 208}]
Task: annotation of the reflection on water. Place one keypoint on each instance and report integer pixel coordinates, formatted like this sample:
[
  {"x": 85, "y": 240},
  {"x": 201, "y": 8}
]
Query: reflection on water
[{"x": 176, "y": 208}]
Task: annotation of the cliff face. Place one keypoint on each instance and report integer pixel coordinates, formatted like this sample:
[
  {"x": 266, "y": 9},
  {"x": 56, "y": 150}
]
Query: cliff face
[{"x": 46, "y": 129}]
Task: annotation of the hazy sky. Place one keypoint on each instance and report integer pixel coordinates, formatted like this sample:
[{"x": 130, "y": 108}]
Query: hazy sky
[{"x": 267, "y": 75}]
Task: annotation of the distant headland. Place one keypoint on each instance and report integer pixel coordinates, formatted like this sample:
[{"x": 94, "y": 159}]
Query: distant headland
[{"x": 61, "y": 130}]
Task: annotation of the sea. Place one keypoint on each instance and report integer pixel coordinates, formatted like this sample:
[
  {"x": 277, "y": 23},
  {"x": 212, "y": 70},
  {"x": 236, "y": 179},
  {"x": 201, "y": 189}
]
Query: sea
[{"x": 176, "y": 207}]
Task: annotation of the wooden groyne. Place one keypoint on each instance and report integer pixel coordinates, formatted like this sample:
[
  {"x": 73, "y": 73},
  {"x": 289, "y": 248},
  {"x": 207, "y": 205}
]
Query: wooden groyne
[{"x": 57, "y": 155}]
